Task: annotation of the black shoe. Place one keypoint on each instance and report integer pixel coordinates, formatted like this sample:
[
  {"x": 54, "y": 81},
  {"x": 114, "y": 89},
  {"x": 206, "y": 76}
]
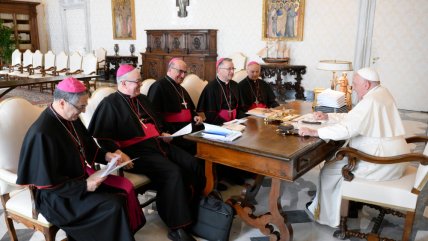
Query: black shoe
[{"x": 180, "y": 235}]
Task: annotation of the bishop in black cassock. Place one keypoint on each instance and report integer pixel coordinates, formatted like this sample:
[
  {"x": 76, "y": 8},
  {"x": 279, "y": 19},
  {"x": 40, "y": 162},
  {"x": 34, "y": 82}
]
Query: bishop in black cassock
[
  {"x": 255, "y": 92},
  {"x": 172, "y": 102},
  {"x": 54, "y": 155},
  {"x": 125, "y": 120},
  {"x": 220, "y": 100}
]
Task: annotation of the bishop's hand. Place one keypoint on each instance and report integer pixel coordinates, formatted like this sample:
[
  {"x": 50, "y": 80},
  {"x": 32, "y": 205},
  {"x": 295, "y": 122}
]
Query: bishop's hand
[
  {"x": 123, "y": 158},
  {"x": 93, "y": 182}
]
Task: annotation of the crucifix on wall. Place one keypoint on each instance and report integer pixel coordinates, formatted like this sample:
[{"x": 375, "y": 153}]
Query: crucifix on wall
[{"x": 182, "y": 4}]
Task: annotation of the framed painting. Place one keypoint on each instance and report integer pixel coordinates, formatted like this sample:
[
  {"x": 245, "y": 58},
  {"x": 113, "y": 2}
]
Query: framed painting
[
  {"x": 123, "y": 18},
  {"x": 283, "y": 20}
]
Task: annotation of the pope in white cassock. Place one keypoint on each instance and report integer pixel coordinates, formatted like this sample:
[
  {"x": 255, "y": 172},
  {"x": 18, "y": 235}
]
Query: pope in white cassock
[{"x": 373, "y": 126}]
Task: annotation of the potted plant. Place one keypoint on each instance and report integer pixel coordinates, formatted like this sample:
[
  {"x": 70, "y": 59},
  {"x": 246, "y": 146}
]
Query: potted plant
[{"x": 7, "y": 44}]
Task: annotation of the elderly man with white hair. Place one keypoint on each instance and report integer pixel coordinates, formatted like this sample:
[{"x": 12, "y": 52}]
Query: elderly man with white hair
[{"x": 373, "y": 126}]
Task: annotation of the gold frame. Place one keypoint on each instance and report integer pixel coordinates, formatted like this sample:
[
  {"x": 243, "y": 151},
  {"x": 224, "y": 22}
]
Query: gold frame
[
  {"x": 123, "y": 11},
  {"x": 281, "y": 5}
]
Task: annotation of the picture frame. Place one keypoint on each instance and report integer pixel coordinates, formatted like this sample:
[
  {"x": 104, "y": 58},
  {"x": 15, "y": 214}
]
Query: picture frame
[
  {"x": 123, "y": 19},
  {"x": 283, "y": 20}
]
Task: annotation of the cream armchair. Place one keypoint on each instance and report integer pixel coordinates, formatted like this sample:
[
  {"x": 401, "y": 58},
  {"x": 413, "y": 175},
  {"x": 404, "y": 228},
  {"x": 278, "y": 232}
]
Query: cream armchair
[
  {"x": 194, "y": 86},
  {"x": 397, "y": 197},
  {"x": 144, "y": 89},
  {"x": 16, "y": 117}
]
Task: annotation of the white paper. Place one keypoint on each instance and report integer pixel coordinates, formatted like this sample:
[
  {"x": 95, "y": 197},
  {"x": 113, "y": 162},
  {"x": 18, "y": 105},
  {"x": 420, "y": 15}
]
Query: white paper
[
  {"x": 111, "y": 167},
  {"x": 214, "y": 132},
  {"x": 183, "y": 131}
]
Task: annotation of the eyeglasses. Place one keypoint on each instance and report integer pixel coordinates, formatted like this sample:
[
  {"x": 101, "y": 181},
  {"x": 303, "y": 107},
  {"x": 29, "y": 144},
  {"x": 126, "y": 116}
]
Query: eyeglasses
[
  {"x": 180, "y": 71},
  {"x": 139, "y": 81},
  {"x": 79, "y": 108},
  {"x": 229, "y": 69}
]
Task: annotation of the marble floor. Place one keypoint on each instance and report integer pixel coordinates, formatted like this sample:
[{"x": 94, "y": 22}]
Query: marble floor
[{"x": 295, "y": 196}]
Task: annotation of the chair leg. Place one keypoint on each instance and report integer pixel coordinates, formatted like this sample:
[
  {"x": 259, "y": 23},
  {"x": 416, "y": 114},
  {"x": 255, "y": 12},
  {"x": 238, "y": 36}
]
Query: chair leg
[
  {"x": 343, "y": 228},
  {"x": 408, "y": 225},
  {"x": 50, "y": 233},
  {"x": 10, "y": 228}
]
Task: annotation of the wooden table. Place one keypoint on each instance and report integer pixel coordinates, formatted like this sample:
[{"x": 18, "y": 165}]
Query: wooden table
[
  {"x": 263, "y": 151},
  {"x": 21, "y": 81},
  {"x": 115, "y": 60}
]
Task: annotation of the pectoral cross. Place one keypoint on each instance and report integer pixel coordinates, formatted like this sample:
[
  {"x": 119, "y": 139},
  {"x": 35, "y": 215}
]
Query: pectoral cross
[
  {"x": 230, "y": 113},
  {"x": 185, "y": 104},
  {"x": 257, "y": 101}
]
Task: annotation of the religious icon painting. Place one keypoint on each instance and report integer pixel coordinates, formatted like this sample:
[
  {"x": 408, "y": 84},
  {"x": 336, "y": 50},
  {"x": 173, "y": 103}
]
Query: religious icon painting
[
  {"x": 123, "y": 19},
  {"x": 283, "y": 20}
]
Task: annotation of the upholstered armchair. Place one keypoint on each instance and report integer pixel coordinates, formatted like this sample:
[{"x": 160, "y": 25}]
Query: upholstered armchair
[
  {"x": 397, "y": 197},
  {"x": 61, "y": 63},
  {"x": 16, "y": 117},
  {"x": 240, "y": 75},
  {"x": 75, "y": 65},
  {"x": 194, "y": 86},
  {"x": 15, "y": 64},
  {"x": 27, "y": 64},
  {"x": 101, "y": 53},
  {"x": 89, "y": 67},
  {"x": 144, "y": 89}
]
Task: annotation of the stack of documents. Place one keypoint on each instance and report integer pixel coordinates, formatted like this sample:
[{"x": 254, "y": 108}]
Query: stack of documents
[
  {"x": 218, "y": 133},
  {"x": 331, "y": 98}
]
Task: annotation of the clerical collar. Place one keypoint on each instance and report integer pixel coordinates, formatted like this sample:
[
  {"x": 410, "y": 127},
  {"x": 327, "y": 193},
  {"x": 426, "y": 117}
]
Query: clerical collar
[
  {"x": 221, "y": 81},
  {"x": 171, "y": 80}
]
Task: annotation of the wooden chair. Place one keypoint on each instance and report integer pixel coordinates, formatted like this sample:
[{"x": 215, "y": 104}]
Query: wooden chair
[
  {"x": 61, "y": 64},
  {"x": 397, "y": 197},
  {"x": 75, "y": 64},
  {"x": 194, "y": 86},
  {"x": 240, "y": 75},
  {"x": 140, "y": 182},
  {"x": 27, "y": 64},
  {"x": 144, "y": 89},
  {"x": 16, "y": 117},
  {"x": 16, "y": 64},
  {"x": 89, "y": 67},
  {"x": 101, "y": 59},
  {"x": 49, "y": 69},
  {"x": 239, "y": 60}
]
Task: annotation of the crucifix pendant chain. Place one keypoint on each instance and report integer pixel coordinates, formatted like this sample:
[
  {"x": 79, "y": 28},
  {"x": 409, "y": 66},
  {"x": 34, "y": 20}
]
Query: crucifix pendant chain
[
  {"x": 255, "y": 93},
  {"x": 75, "y": 137},
  {"x": 184, "y": 103},
  {"x": 228, "y": 102}
]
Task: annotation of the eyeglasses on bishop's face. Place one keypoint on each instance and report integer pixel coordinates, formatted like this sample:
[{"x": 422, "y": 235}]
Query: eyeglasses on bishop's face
[
  {"x": 79, "y": 108},
  {"x": 138, "y": 81},
  {"x": 229, "y": 69},
  {"x": 180, "y": 71}
]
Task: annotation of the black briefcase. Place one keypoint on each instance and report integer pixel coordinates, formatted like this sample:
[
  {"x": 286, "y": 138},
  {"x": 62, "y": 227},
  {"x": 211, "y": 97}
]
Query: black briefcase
[{"x": 214, "y": 219}]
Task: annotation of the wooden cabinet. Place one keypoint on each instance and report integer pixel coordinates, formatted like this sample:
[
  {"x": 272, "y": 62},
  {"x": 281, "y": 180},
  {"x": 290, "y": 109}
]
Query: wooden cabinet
[
  {"x": 197, "y": 47},
  {"x": 21, "y": 17}
]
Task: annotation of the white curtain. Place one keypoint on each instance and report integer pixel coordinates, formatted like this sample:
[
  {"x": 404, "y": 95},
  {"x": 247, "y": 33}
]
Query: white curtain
[{"x": 364, "y": 34}]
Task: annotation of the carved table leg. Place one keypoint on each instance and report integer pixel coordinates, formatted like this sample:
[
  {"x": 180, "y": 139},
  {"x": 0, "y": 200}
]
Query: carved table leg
[{"x": 263, "y": 222}]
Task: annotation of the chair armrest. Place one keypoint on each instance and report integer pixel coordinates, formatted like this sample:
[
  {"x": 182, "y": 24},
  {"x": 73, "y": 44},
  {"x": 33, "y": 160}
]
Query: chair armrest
[
  {"x": 355, "y": 155},
  {"x": 8, "y": 182},
  {"x": 414, "y": 139},
  {"x": 75, "y": 72}
]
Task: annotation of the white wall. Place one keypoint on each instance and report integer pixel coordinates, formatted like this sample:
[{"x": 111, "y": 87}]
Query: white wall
[{"x": 329, "y": 32}]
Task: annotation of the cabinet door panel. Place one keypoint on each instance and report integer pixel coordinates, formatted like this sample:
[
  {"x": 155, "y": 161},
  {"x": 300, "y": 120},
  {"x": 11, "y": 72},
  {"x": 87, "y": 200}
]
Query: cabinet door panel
[
  {"x": 177, "y": 43},
  {"x": 195, "y": 65},
  {"x": 156, "y": 42},
  {"x": 152, "y": 67},
  {"x": 197, "y": 43}
]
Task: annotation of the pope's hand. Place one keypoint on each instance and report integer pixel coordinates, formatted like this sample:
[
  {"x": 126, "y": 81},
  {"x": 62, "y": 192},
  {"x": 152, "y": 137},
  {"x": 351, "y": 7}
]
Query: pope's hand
[{"x": 320, "y": 115}]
